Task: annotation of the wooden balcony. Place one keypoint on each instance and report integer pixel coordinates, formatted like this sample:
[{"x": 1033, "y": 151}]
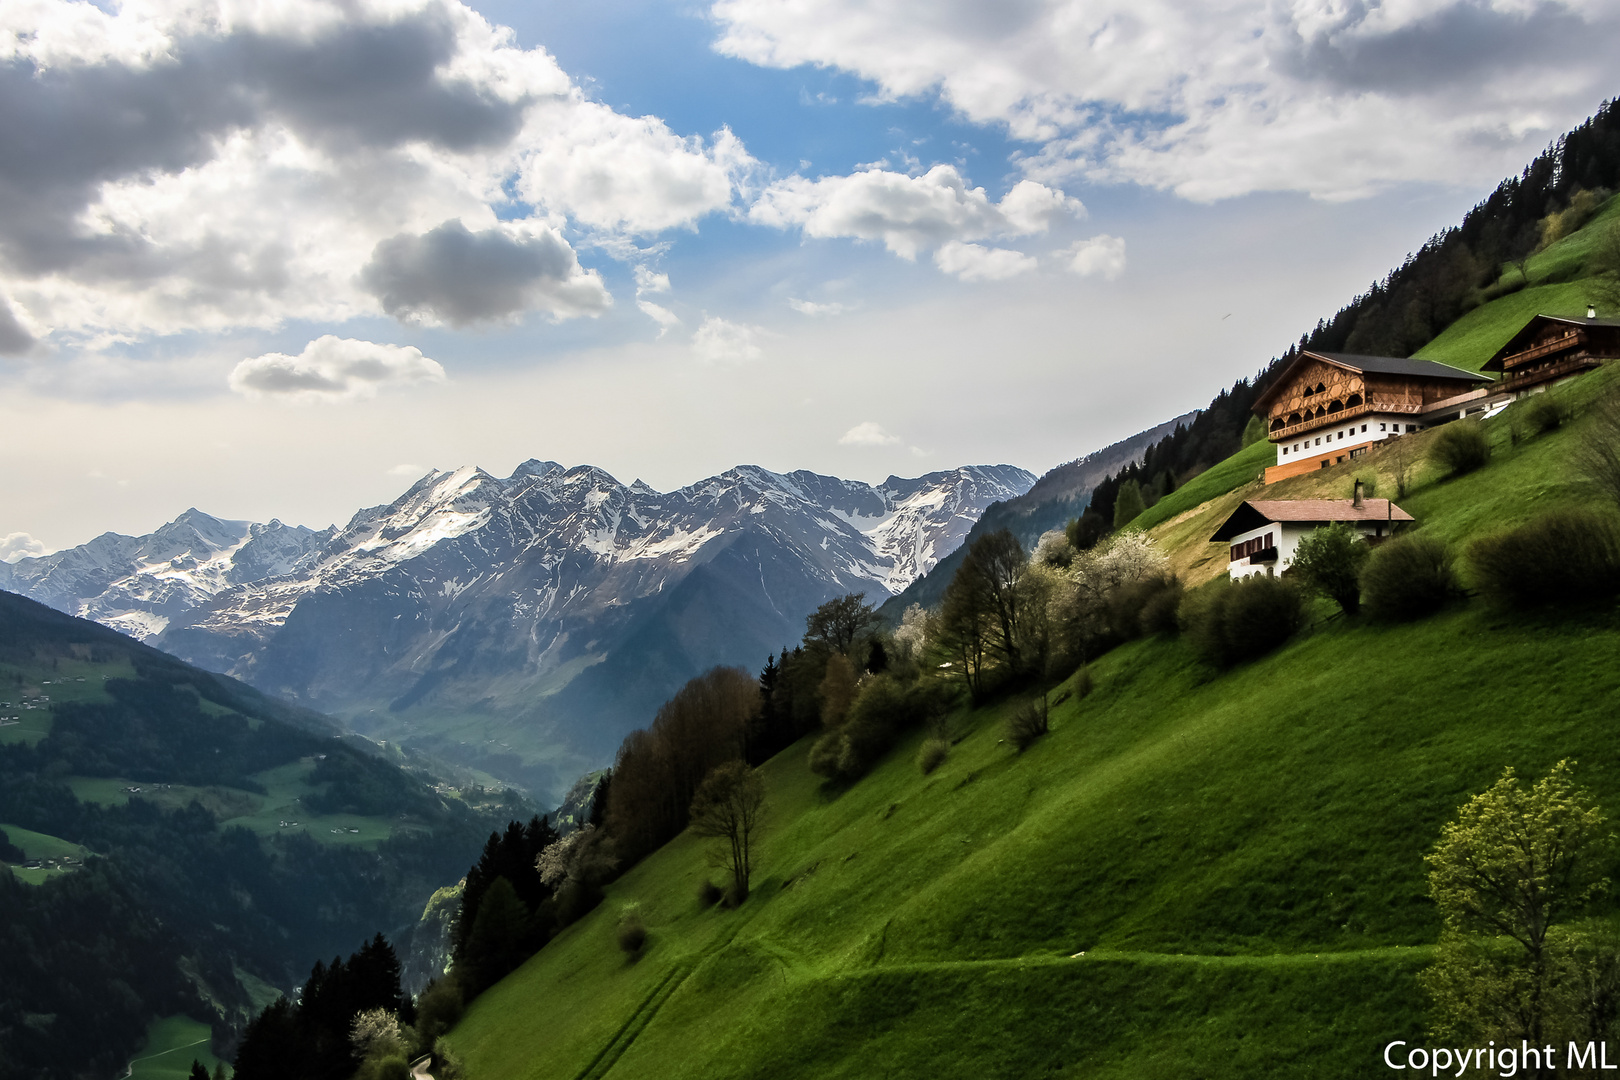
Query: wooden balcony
[
  {"x": 1571, "y": 365},
  {"x": 1568, "y": 341}
]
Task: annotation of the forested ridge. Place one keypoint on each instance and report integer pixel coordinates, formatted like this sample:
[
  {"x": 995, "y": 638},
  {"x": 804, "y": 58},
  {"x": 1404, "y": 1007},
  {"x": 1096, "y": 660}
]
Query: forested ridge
[{"x": 169, "y": 903}]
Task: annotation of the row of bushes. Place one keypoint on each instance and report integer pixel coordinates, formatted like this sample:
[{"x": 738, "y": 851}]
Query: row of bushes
[{"x": 1564, "y": 557}]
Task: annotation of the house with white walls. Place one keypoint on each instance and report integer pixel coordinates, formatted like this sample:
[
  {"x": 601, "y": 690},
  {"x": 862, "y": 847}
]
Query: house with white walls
[
  {"x": 1263, "y": 534},
  {"x": 1327, "y": 408}
]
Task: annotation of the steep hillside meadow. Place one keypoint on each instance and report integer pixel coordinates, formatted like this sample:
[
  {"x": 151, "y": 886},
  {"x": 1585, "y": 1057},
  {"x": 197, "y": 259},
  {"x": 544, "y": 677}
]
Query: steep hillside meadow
[{"x": 1196, "y": 873}]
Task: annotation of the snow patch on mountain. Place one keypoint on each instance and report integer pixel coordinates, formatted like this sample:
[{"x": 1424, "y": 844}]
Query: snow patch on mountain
[{"x": 475, "y": 595}]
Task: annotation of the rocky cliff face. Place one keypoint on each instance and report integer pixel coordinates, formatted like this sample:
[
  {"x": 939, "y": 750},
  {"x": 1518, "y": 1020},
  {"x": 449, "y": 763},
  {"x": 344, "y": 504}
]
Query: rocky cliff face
[{"x": 521, "y": 625}]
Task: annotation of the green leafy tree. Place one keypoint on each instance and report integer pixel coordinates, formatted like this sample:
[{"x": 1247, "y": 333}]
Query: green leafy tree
[
  {"x": 1507, "y": 876},
  {"x": 1461, "y": 447},
  {"x": 1254, "y": 431},
  {"x": 1128, "y": 504},
  {"x": 1084, "y": 531},
  {"x": 499, "y": 939},
  {"x": 837, "y": 691},
  {"x": 1329, "y": 560},
  {"x": 728, "y": 807},
  {"x": 199, "y": 1071}
]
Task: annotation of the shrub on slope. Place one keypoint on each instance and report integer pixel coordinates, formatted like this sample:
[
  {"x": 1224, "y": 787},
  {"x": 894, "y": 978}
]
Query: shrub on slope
[
  {"x": 1409, "y": 577},
  {"x": 1243, "y": 621},
  {"x": 1561, "y": 557}
]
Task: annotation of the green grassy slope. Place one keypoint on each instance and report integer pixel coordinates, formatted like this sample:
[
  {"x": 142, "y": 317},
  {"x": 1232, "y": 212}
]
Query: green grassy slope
[
  {"x": 1193, "y": 874},
  {"x": 1274, "y": 817},
  {"x": 1231, "y": 853},
  {"x": 172, "y": 1044},
  {"x": 51, "y": 850},
  {"x": 1554, "y": 288}
]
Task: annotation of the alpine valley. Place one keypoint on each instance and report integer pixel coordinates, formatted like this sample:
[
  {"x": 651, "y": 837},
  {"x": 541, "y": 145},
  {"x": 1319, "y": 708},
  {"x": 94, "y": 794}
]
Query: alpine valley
[{"x": 520, "y": 626}]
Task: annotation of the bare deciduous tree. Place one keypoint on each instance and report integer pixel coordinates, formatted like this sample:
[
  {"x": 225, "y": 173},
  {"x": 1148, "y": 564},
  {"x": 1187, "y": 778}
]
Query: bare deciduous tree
[
  {"x": 728, "y": 807},
  {"x": 658, "y": 770},
  {"x": 1598, "y": 457},
  {"x": 1398, "y": 454}
]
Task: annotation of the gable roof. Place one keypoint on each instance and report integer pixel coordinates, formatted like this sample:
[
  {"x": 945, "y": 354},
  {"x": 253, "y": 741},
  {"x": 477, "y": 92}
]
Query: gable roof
[
  {"x": 1257, "y": 512},
  {"x": 1380, "y": 365},
  {"x": 1521, "y": 341}
]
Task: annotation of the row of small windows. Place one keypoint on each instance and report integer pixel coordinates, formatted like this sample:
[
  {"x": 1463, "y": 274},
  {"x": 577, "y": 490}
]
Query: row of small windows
[{"x": 1391, "y": 429}]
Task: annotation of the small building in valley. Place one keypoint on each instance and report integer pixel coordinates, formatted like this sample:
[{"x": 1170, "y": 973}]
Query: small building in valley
[
  {"x": 1330, "y": 407},
  {"x": 1551, "y": 348},
  {"x": 1263, "y": 534}
]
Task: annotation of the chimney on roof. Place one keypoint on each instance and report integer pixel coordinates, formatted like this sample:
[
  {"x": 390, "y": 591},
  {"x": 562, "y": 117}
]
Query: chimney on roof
[
  {"x": 1355, "y": 500},
  {"x": 1591, "y": 311}
]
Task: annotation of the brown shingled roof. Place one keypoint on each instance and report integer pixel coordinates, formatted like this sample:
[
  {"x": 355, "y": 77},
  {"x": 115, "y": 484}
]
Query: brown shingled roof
[{"x": 1257, "y": 512}]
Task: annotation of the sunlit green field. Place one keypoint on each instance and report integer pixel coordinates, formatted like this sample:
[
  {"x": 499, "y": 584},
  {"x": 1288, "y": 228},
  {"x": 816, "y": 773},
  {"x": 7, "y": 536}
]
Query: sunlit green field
[
  {"x": 172, "y": 1044},
  {"x": 1194, "y": 874}
]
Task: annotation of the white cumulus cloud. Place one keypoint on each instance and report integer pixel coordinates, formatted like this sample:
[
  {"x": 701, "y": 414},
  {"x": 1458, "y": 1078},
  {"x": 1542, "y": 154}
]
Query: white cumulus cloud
[
  {"x": 1101, "y": 256},
  {"x": 306, "y": 159},
  {"x": 720, "y": 341},
  {"x": 868, "y": 433},
  {"x": 908, "y": 214},
  {"x": 1218, "y": 99},
  {"x": 666, "y": 319},
  {"x": 334, "y": 369},
  {"x": 19, "y": 545},
  {"x": 975, "y": 262},
  {"x": 810, "y": 307},
  {"x": 650, "y": 281}
]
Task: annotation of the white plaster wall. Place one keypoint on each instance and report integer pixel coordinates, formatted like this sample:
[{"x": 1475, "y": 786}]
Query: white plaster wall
[
  {"x": 1288, "y": 535},
  {"x": 1243, "y": 567},
  {"x": 1344, "y": 436}
]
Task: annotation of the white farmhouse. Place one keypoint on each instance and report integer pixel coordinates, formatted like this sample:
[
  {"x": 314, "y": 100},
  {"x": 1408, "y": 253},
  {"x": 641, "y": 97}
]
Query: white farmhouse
[{"x": 1264, "y": 533}]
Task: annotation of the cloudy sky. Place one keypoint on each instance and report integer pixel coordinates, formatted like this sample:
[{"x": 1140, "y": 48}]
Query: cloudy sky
[{"x": 276, "y": 258}]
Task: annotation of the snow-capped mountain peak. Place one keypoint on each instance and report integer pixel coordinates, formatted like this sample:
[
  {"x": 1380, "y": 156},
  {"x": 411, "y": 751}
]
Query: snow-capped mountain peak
[{"x": 555, "y": 588}]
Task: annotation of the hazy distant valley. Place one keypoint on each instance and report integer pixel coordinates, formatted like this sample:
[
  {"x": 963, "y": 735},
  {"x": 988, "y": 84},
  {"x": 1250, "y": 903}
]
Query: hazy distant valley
[{"x": 520, "y": 626}]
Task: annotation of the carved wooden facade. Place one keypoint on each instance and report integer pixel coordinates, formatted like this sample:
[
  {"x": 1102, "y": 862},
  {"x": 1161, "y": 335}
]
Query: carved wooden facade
[{"x": 1320, "y": 390}]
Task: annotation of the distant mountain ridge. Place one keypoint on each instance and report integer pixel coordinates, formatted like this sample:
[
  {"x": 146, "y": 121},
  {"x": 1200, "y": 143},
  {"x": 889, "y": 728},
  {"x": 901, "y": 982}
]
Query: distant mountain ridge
[
  {"x": 217, "y": 839},
  {"x": 1062, "y": 493},
  {"x": 522, "y": 624}
]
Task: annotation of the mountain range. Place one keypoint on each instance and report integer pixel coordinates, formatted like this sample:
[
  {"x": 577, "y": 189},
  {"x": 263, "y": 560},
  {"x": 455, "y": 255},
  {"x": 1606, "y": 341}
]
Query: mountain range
[
  {"x": 1062, "y": 493},
  {"x": 520, "y": 625}
]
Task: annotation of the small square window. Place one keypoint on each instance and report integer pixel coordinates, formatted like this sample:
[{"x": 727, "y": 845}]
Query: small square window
[
  {"x": 1383, "y": 427},
  {"x": 1364, "y": 429}
]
